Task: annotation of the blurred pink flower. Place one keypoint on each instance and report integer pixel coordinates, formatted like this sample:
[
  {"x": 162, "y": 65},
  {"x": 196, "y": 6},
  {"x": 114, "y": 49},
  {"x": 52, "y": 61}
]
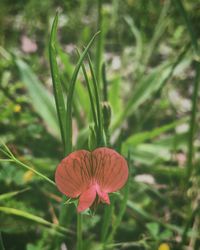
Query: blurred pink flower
[{"x": 27, "y": 45}]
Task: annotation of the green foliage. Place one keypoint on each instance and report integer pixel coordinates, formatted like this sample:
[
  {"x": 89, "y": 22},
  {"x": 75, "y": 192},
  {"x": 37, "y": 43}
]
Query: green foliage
[{"x": 137, "y": 93}]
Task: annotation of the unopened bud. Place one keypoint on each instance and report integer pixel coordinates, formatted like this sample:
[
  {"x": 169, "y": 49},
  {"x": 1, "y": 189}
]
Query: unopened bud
[
  {"x": 106, "y": 110},
  {"x": 92, "y": 139}
]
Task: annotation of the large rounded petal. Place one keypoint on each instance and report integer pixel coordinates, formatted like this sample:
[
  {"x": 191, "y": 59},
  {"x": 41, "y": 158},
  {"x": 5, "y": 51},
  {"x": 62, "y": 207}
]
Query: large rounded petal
[
  {"x": 86, "y": 198},
  {"x": 110, "y": 169},
  {"x": 73, "y": 174}
]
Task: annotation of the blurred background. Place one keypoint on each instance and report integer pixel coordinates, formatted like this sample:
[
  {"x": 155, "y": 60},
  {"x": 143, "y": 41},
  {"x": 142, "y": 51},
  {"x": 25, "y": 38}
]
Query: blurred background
[{"x": 151, "y": 68}]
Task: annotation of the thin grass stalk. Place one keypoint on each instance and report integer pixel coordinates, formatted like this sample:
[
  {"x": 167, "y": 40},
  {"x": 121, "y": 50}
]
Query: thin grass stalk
[
  {"x": 194, "y": 42},
  {"x": 79, "y": 232},
  {"x": 1, "y": 242},
  {"x": 122, "y": 211},
  {"x": 70, "y": 96},
  {"x": 57, "y": 86},
  {"x": 34, "y": 171},
  {"x": 105, "y": 83},
  {"x": 158, "y": 31},
  {"x": 35, "y": 218},
  {"x": 9, "y": 195},
  {"x": 99, "y": 49},
  {"x": 100, "y": 141},
  {"x": 127, "y": 107},
  {"x": 106, "y": 221},
  {"x": 120, "y": 215},
  {"x": 90, "y": 96},
  {"x": 13, "y": 159},
  {"x": 190, "y": 156}
]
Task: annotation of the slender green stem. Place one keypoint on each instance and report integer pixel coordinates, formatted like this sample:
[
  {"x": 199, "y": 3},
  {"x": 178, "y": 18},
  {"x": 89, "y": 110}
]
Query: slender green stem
[
  {"x": 158, "y": 31},
  {"x": 57, "y": 86},
  {"x": 98, "y": 105},
  {"x": 12, "y": 158},
  {"x": 99, "y": 43},
  {"x": 1, "y": 243},
  {"x": 190, "y": 156},
  {"x": 193, "y": 121},
  {"x": 183, "y": 13},
  {"x": 90, "y": 96},
  {"x": 192, "y": 34},
  {"x": 105, "y": 83},
  {"x": 34, "y": 171},
  {"x": 121, "y": 213},
  {"x": 70, "y": 96},
  {"x": 79, "y": 232}
]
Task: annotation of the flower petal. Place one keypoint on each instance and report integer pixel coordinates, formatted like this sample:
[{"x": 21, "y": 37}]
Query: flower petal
[
  {"x": 104, "y": 197},
  {"x": 73, "y": 174},
  {"x": 86, "y": 198},
  {"x": 110, "y": 169}
]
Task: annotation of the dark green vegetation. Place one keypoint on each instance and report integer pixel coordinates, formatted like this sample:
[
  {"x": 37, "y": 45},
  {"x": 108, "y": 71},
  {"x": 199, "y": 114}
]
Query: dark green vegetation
[{"x": 145, "y": 65}]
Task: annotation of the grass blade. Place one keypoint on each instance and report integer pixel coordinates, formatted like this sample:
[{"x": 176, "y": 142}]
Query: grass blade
[
  {"x": 147, "y": 135},
  {"x": 1, "y": 242},
  {"x": 42, "y": 100},
  {"x": 122, "y": 210},
  {"x": 100, "y": 42},
  {"x": 35, "y": 218},
  {"x": 12, "y": 194},
  {"x": 190, "y": 155},
  {"x": 15, "y": 160},
  {"x": 70, "y": 96},
  {"x": 58, "y": 93},
  {"x": 100, "y": 136},
  {"x": 158, "y": 32},
  {"x": 12, "y": 158},
  {"x": 90, "y": 96},
  {"x": 143, "y": 91}
]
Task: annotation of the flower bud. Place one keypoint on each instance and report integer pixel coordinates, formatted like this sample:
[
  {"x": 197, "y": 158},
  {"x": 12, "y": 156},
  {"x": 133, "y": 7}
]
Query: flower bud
[
  {"x": 106, "y": 111},
  {"x": 92, "y": 139}
]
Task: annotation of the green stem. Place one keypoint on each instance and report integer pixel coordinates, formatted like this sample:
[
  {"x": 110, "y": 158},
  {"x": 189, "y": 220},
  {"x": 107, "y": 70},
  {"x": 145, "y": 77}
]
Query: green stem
[
  {"x": 1, "y": 243},
  {"x": 70, "y": 96},
  {"x": 193, "y": 38},
  {"x": 99, "y": 42},
  {"x": 90, "y": 96},
  {"x": 105, "y": 83},
  {"x": 100, "y": 141},
  {"x": 79, "y": 232},
  {"x": 34, "y": 171},
  {"x": 190, "y": 156},
  {"x": 193, "y": 122}
]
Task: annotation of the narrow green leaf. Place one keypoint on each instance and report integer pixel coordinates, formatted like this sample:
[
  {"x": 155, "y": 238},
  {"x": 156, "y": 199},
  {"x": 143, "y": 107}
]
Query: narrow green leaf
[
  {"x": 121, "y": 213},
  {"x": 147, "y": 135},
  {"x": 141, "y": 212},
  {"x": 58, "y": 93},
  {"x": 80, "y": 100},
  {"x": 1, "y": 243},
  {"x": 143, "y": 91},
  {"x": 35, "y": 218},
  {"x": 158, "y": 32},
  {"x": 115, "y": 96},
  {"x": 100, "y": 136},
  {"x": 13, "y": 159},
  {"x": 42, "y": 100},
  {"x": 138, "y": 37},
  {"x": 90, "y": 96},
  {"x": 70, "y": 96},
  {"x": 12, "y": 194}
]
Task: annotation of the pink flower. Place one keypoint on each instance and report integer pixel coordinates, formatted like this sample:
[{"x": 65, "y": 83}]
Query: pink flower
[{"x": 87, "y": 174}]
